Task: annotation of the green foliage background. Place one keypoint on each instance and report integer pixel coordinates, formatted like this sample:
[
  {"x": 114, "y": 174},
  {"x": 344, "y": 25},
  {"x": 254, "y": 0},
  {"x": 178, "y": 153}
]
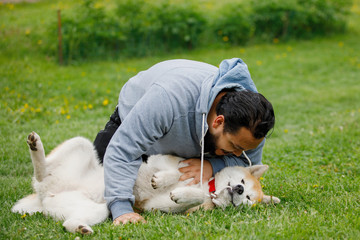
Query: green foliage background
[{"x": 129, "y": 28}]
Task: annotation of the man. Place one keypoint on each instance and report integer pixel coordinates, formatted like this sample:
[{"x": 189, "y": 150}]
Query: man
[{"x": 185, "y": 108}]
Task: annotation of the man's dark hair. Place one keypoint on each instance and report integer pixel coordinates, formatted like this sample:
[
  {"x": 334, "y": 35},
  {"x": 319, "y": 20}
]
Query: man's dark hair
[{"x": 246, "y": 109}]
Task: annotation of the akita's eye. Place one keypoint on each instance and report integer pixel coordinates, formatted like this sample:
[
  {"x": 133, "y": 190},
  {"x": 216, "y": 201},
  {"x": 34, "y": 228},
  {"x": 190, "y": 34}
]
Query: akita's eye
[
  {"x": 242, "y": 181},
  {"x": 248, "y": 197}
]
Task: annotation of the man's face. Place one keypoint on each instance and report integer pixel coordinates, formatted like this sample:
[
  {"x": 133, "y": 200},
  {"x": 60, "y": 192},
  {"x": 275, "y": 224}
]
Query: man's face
[{"x": 224, "y": 143}]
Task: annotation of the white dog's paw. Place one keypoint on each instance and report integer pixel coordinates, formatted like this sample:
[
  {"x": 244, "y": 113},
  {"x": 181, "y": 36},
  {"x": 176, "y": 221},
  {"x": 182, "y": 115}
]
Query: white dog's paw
[
  {"x": 159, "y": 180},
  {"x": 85, "y": 230},
  {"x": 187, "y": 195},
  {"x": 33, "y": 141},
  {"x": 177, "y": 196}
]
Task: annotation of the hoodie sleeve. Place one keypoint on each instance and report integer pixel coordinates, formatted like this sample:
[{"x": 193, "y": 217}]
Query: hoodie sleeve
[
  {"x": 231, "y": 160},
  {"x": 148, "y": 121}
]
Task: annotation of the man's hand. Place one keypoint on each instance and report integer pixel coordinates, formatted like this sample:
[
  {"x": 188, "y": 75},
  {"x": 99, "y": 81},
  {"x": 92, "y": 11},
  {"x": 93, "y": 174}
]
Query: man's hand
[
  {"x": 129, "y": 217},
  {"x": 194, "y": 170}
]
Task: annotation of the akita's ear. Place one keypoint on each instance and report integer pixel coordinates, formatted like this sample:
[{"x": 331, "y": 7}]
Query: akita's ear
[
  {"x": 258, "y": 170},
  {"x": 270, "y": 199}
]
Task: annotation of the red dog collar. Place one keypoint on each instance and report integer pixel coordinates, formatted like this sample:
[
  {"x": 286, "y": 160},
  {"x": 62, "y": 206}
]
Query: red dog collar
[{"x": 212, "y": 186}]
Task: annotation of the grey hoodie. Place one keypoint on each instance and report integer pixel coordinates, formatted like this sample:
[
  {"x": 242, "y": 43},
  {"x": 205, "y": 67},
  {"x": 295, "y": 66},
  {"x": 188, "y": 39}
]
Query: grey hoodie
[{"x": 162, "y": 111}]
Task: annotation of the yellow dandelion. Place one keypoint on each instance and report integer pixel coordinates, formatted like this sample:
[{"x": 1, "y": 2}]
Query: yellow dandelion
[
  {"x": 26, "y": 105},
  {"x": 68, "y": 117},
  {"x": 90, "y": 106},
  {"x": 341, "y": 44},
  {"x": 98, "y": 5},
  {"x": 63, "y": 111},
  {"x": 315, "y": 186},
  {"x": 37, "y": 110},
  {"x": 76, "y": 107},
  {"x": 262, "y": 186},
  {"x": 105, "y": 102},
  {"x": 225, "y": 38},
  {"x": 286, "y": 130},
  {"x": 289, "y": 49},
  {"x": 27, "y": 32},
  {"x": 83, "y": 74},
  {"x": 11, "y": 6},
  {"x": 131, "y": 70},
  {"x": 7, "y": 89},
  {"x": 242, "y": 50},
  {"x": 275, "y": 40},
  {"x": 39, "y": 42},
  {"x": 22, "y": 110},
  {"x": 254, "y": 205},
  {"x": 85, "y": 107},
  {"x": 261, "y": 178},
  {"x": 209, "y": 5},
  {"x": 23, "y": 216}
]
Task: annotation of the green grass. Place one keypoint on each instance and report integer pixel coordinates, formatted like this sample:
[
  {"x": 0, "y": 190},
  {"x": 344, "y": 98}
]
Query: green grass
[{"x": 313, "y": 153}]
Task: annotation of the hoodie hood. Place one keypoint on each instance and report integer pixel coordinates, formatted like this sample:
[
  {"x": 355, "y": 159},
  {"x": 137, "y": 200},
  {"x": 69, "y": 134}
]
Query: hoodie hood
[{"x": 232, "y": 73}]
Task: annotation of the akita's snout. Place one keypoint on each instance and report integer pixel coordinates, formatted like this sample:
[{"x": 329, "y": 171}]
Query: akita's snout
[{"x": 238, "y": 189}]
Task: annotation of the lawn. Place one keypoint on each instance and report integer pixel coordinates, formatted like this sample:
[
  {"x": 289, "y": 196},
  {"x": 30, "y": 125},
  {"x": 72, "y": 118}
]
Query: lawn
[{"x": 313, "y": 152}]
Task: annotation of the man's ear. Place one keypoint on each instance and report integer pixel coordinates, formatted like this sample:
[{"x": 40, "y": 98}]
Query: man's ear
[
  {"x": 258, "y": 170},
  {"x": 218, "y": 121}
]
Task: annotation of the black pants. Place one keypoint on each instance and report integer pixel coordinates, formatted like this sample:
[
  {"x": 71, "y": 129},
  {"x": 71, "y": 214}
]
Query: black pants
[{"x": 104, "y": 136}]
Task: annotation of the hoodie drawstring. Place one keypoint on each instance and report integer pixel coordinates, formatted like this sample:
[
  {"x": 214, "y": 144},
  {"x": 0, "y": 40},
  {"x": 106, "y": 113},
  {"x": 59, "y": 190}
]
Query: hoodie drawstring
[
  {"x": 247, "y": 158},
  {"x": 202, "y": 149}
]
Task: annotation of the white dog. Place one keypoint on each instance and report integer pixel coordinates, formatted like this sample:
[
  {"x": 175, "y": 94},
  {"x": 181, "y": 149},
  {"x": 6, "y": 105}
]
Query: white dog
[{"x": 69, "y": 186}]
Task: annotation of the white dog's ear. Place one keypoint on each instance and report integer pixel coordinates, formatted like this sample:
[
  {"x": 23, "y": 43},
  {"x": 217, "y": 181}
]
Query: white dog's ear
[
  {"x": 270, "y": 199},
  {"x": 258, "y": 170}
]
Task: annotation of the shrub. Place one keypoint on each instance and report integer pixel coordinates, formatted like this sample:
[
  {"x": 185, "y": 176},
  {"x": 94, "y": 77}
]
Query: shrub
[
  {"x": 233, "y": 25},
  {"x": 90, "y": 34},
  {"x": 149, "y": 28},
  {"x": 298, "y": 18},
  {"x": 177, "y": 26}
]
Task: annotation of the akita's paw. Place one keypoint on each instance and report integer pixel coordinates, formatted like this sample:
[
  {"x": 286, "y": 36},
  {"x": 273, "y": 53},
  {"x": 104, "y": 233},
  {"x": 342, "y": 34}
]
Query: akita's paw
[
  {"x": 31, "y": 141},
  {"x": 187, "y": 195},
  {"x": 177, "y": 196},
  {"x": 85, "y": 230},
  {"x": 157, "y": 181}
]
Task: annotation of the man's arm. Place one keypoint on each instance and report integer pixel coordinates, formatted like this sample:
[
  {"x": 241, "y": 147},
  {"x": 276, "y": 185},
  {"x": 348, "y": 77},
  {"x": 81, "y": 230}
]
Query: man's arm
[{"x": 148, "y": 121}]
